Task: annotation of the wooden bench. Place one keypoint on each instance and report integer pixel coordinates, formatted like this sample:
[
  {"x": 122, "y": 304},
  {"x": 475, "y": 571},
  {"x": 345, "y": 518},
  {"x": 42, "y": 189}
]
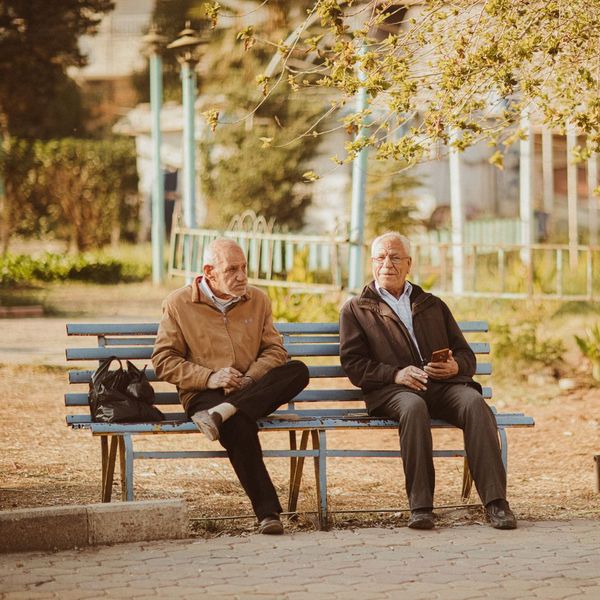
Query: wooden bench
[{"x": 311, "y": 415}]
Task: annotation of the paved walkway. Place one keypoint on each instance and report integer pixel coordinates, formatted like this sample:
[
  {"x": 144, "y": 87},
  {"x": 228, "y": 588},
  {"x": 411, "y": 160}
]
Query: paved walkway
[{"x": 548, "y": 560}]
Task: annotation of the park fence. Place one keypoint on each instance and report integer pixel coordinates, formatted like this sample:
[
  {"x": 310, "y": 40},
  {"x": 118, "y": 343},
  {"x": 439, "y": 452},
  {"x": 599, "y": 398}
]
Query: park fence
[{"x": 319, "y": 264}]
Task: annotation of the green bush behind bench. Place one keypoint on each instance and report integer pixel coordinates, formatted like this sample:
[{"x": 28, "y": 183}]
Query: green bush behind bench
[{"x": 20, "y": 270}]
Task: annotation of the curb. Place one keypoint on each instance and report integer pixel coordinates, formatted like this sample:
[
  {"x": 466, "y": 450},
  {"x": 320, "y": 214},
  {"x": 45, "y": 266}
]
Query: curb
[
  {"x": 62, "y": 527},
  {"x": 19, "y": 312}
]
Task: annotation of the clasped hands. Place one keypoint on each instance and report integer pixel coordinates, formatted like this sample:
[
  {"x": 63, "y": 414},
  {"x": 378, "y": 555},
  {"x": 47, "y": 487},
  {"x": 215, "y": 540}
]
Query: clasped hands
[
  {"x": 229, "y": 379},
  {"x": 416, "y": 378}
]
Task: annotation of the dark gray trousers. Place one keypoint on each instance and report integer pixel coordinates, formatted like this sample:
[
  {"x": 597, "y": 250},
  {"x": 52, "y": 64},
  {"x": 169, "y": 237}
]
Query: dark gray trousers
[
  {"x": 239, "y": 434},
  {"x": 460, "y": 405}
]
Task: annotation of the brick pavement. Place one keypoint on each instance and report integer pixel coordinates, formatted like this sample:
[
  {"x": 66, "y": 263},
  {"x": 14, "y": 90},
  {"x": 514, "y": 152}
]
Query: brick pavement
[{"x": 546, "y": 560}]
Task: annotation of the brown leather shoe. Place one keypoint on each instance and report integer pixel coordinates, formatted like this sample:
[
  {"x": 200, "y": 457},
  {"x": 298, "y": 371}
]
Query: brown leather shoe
[
  {"x": 208, "y": 423},
  {"x": 271, "y": 525},
  {"x": 421, "y": 518},
  {"x": 500, "y": 516}
]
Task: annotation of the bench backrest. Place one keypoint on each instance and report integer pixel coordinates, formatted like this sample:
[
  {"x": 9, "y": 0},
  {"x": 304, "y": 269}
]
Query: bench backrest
[{"x": 317, "y": 344}]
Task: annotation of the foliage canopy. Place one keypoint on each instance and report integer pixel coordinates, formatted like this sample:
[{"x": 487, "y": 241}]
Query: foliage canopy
[
  {"x": 256, "y": 160},
  {"x": 38, "y": 42},
  {"x": 439, "y": 72},
  {"x": 83, "y": 191}
]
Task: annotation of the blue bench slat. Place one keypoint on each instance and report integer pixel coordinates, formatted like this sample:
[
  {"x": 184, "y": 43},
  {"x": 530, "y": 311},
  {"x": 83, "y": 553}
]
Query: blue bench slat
[
  {"x": 80, "y": 398},
  {"x": 100, "y": 353},
  {"x": 328, "y": 395},
  {"x": 284, "y": 328},
  {"x": 112, "y": 328},
  {"x": 129, "y": 341},
  {"x": 473, "y": 326},
  {"x": 145, "y": 353},
  {"x": 314, "y": 396},
  {"x": 298, "y": 343},
  {"x": 303, "y": 422},
  {"x": 308, "y": 328},
  {"x": 333, "y": 371},
  {"x": 326, "y": 371},
  {"x": 311, "y": 339},
  {"x": 313, "y": 349},
  {"x": 179, "y": 417},
  {"x": 85, "y": 375}
]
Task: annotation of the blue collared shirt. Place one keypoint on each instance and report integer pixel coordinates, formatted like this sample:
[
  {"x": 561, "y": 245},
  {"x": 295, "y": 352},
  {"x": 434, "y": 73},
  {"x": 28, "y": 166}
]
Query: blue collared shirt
[{"x": 401, "y": 306}]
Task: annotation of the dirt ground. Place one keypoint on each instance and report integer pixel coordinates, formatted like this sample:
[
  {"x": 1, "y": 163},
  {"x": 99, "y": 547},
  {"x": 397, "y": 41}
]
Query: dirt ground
[{"x": 43, "y": 462}]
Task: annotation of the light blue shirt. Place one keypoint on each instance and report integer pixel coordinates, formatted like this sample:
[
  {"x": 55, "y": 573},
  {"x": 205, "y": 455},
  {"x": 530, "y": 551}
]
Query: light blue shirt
[
  {"x": 401, "y": 306},
  {"x": 221, "y": 304}
]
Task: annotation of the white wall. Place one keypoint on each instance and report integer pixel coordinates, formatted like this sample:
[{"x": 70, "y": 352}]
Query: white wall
[{"x": 116, "y": 51}]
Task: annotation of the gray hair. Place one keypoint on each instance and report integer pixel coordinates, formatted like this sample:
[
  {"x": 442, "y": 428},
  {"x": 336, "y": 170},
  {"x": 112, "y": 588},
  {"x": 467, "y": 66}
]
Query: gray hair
[
  {"x": 213, "y": 250},
  {"x": 392, "y": 235}
]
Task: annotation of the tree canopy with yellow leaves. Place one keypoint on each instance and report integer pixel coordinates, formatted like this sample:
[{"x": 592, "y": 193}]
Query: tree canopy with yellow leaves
[{"x": 440, "y": 72}]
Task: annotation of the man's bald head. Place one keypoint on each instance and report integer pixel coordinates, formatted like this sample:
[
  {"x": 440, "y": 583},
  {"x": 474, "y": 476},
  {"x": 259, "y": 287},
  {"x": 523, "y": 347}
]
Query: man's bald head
[
  {"x": 217, "y": 248},
  {"x": 225, "y": 268}
]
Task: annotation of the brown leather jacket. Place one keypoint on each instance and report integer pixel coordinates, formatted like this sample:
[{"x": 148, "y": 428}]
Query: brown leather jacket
[{"x": 375, "y": 344}]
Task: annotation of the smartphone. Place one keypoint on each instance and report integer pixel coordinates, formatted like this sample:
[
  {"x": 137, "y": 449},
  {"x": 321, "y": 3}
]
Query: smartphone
[{"x": 440, "y": 355}]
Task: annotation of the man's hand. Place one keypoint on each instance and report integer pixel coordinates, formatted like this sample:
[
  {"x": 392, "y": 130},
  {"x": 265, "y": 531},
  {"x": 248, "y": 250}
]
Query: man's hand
[
  {"x": 243, "y": 381},
  {"x": 228, "y": 378},
  {"x": 412, "y": 377},
  {"x": 442, "y": 370}
]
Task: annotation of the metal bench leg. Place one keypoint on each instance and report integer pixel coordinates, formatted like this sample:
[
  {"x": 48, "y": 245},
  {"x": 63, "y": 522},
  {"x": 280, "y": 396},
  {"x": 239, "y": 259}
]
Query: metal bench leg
[
  {"x": 320, "y": 442},
  {"x": 126, "y": 461},
  {"x": 109, "y": 457},
  {"x": 296, "y": 468},
  {"x": 467, "y": 483},
  {"x": 104, "y": 453},
  {"x": 503, "y": 447}
]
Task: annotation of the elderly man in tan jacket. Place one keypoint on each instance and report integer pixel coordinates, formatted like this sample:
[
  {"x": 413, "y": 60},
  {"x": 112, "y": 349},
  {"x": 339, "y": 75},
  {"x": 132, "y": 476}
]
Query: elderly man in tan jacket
[{"x": 216, "y": 342}]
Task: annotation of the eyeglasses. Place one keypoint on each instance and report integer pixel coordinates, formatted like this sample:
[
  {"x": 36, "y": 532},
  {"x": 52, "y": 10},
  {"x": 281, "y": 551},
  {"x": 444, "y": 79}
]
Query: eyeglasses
[{"x": 395, "y": 260}]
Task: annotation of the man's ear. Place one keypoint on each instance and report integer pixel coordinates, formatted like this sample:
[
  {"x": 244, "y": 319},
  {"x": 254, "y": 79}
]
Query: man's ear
[{"x": 207, "y": 270}]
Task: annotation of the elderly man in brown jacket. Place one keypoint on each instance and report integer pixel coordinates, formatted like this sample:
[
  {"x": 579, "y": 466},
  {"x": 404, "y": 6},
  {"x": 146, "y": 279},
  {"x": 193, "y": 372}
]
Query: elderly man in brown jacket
[
  {"x": 388, "y": 337},
  {"x": 216, "y": 342}
]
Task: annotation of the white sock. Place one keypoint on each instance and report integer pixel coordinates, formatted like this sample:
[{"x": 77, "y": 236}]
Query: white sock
[{"x": 225, "y": 409}]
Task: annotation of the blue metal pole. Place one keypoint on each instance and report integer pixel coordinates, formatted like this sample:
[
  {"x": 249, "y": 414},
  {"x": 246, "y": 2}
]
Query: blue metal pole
[
  {"x": 357, "y": 214},
  {"x": 188, "y": 80},
  {"x": 158, "y": 185}
]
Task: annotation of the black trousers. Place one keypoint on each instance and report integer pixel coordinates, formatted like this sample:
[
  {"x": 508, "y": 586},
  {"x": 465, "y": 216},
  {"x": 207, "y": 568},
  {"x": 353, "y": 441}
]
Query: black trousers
[
  {"x": 239, "y": 434},
  {"x": 462, "y": 406}
]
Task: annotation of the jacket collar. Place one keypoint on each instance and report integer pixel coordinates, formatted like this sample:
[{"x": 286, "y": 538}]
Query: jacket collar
[
  {"x": 371, "y": 300},
  {"x": 199, "y": 297}
]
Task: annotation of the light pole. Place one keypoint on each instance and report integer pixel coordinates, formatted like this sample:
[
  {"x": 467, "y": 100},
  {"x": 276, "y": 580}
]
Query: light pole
[
  {"x": 359, "y": 182},
  {"x": 155, "y": 42},
  {"x": 186, "y": 47}
]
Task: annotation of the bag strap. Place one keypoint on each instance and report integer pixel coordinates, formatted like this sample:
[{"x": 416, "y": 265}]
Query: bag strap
[{"x": 104, "y": 367}]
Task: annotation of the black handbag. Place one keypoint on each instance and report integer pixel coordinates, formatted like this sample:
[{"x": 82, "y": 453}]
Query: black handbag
[{"x": 122, "y": 396}]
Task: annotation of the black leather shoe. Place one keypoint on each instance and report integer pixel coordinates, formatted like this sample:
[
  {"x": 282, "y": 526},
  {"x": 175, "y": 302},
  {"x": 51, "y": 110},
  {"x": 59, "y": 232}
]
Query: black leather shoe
[
  {"x": 270, "y": 525},
  {"x": 421, "y": 518},
  {"x": 208, "y": 423},
  {"x": 500, "y": 516}
]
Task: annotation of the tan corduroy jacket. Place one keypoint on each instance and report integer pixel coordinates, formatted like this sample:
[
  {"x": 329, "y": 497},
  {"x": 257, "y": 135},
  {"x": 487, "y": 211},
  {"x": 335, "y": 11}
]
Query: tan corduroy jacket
[{"x": 195, "y": 339}]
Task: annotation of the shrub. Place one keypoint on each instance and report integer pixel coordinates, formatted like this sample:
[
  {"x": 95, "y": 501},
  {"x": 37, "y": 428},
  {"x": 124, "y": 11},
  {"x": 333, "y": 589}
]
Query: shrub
[
  {"x": 590, "y": 348},
  {"x": 84, "y": 191},
  {"x": 23, "y": 270},
  {"x": 294, "y": 308},
  {"x": 520, "y": 346}
]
